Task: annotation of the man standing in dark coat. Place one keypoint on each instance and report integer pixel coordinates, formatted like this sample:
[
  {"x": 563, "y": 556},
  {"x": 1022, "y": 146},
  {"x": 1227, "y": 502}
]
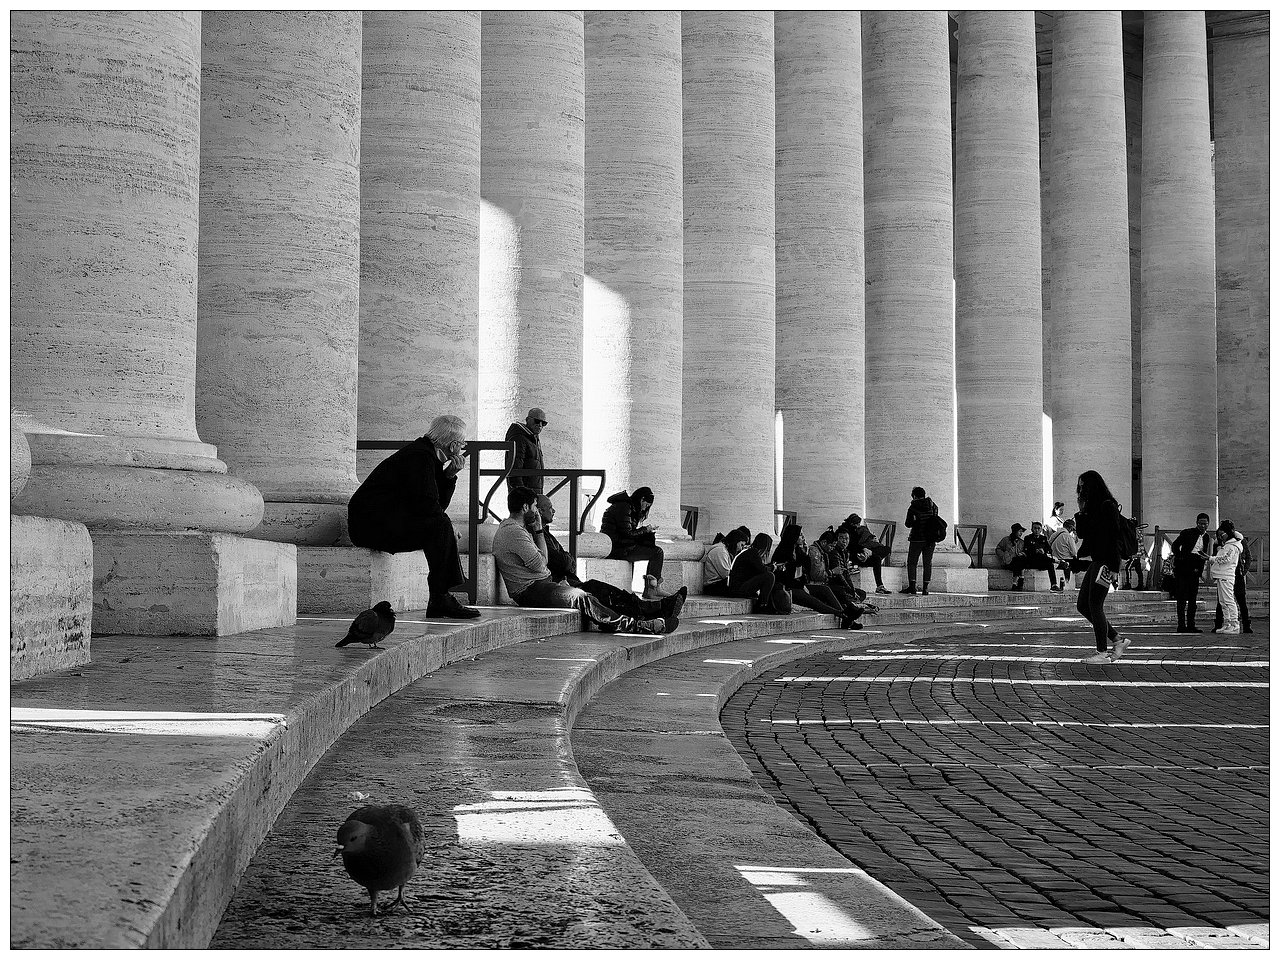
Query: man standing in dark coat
[
  {"x": 401, "y": 507},
  {"x": 528, "y": 449},
  {"x": 1190, "y": 551}
]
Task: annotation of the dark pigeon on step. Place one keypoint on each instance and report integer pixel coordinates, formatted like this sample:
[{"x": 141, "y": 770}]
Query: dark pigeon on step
[
  {"x": 381, "y": 848},
  {"x": 370, "y": 626}
]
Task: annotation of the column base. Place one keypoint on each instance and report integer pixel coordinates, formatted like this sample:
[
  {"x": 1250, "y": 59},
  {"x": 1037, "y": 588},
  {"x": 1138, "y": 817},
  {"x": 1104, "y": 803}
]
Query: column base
[
  {"x": 315, "y": 524},
  {"x": 942, "y": 579},
  {"x": 50, "y": 595},
  {"x": 191, "y": 584},
  {"x": 351, "y": 579}
]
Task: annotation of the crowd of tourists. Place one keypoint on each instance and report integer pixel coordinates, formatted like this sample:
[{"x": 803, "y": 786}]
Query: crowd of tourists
[{"x": 401, "y": 507}]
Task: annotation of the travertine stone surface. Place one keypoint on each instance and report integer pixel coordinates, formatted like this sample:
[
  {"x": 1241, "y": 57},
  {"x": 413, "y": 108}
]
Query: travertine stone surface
[
  {"x": 818, "y": 183},
  {"x": 419, "y": 216},
  {"x": 105, "y": 132},
  {"x": 910, "y": 412},
  {"x": 19, "y": 458},
  {"x": 1089, "y": 223},
  {"x": 50, "y": 595},
  {"x": 192, "y": 584},
  {"x": 1179, "y": 322},
  {"x": 1044, "y": 71},
  {"x": 634, "y": 255},
  {"x": 728, "y": 391},
  {"x": 998, "y": 283},
  {"x": 279, "y": 249},
  {"x": 531, "y": 222},
  {"x": 1242, "y": 168},
  {"x": 353, "y": 578}
]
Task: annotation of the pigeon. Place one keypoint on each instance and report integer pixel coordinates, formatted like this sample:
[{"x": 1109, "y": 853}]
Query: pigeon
[
  {"x": 381, "y": 847},
  {"x": 370, "y": 626}
]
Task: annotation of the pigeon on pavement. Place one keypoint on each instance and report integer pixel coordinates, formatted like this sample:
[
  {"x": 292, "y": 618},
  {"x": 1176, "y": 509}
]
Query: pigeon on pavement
[
  {"x": 370, "y": 626},
  {"x": 381, "y": 847}
]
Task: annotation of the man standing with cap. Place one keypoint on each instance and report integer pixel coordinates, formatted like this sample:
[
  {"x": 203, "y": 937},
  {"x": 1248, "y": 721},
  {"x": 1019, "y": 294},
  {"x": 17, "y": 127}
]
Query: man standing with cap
[{"x": 528, "y": 455}]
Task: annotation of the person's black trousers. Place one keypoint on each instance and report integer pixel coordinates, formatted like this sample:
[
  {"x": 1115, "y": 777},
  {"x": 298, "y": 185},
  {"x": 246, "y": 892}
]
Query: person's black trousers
[
  {"x": 444, "y": 566},
  {"x": 1186, "y": 587},
  {"x": 915, "y": 550}
]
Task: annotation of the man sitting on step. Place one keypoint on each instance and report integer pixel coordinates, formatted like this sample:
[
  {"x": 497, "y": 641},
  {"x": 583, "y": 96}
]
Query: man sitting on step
[
  {"x": 520, "y": 552},
  {"x": 560, "y": 562}
]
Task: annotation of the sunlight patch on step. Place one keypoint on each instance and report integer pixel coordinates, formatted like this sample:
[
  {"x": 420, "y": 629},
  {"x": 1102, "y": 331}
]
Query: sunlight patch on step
[
  {"x": 565, "y": 815},
  {"x": 812, "y": 914},
  {"x": 164, "y": 723},
  {"x": 1128, "y": 660},
  {"x": 836, "y": 721},
  {"x": 1197, "y": 684}
]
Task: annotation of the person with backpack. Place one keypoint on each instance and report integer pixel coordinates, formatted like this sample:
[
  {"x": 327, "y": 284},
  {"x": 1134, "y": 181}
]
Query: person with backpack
[
  {"x": 1242, "y": 569},
  {"x": 922, "y": 517},
  {"x": 1098, "y": 522}
]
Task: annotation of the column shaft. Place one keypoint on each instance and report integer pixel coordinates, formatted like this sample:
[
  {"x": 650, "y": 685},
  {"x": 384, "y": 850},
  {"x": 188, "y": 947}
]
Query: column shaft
[
  {"x": 1242, "y": 169},
  {"x": 103, "y": 273},
  {"x": 531, "y": 222},
  {"x": 279, "y": 259},
  {"x": 910, "y": 409},
  {"x": 419, "y": 226},
  {"x": 820, "y": 274},
  {"x": 634, "y": 260},
  {"x": 998, "y": 283},
  {"x": 728, "y": 441},
  {"x": 1092, "y": 385},
  {"x": 1179, "y": 380}
]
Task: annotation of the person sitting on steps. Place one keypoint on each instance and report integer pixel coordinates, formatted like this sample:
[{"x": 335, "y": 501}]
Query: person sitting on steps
[
  {"x": 633, "y": 539},
  {"x": 1063, "y": 547},
  {"x": 750, "y": 578},
  {"x": 865, "y": 549},
  {"x": 791, "y": 567},
  {"x": 719, "y": 560}
]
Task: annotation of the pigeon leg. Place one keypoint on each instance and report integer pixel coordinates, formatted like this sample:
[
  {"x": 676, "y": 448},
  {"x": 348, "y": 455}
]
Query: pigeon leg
[
  {"x": 373, "y": 902},
  {"x": 400, "y": 900}
]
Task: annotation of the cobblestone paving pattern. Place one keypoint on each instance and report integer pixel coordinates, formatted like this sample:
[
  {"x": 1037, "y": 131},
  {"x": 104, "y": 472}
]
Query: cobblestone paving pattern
[{"x": 1001, "y": 784}]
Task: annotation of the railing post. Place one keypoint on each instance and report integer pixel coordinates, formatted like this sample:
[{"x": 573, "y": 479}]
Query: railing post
[
  {"x": 473, "y": 526},
  {"x": 574, "y": 520}
]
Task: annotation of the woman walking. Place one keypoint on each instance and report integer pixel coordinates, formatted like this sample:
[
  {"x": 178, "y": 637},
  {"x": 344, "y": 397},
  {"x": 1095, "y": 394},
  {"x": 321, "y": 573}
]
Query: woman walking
[
  {"x": 921, "y": 541},
  {"x": 1098, "y": 527}
]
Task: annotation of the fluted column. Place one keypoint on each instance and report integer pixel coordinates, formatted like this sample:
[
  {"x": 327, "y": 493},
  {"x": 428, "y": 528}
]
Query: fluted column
[
  {"x": 419, "y": 216},
  {"x": 104, "y": 186},
  {"x": 910, "y": 355},
  {"x": 998, "y": 283},
  {"x": 531, "y": 222},
  {"x": 1242, "y": 169},
  {"x": 634, "y": 257},
  {"x": 729, "y": 268},
  {"x": 1089, "y": 225},
  {"x": 820, "y": 321},
  {"x": 1179, "y": 323},
  {"x": 279, "y": 260}
]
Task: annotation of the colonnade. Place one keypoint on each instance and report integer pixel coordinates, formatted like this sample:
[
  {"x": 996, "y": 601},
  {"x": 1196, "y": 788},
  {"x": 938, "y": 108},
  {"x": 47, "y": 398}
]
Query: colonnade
[{"x": 324, "y": 226}]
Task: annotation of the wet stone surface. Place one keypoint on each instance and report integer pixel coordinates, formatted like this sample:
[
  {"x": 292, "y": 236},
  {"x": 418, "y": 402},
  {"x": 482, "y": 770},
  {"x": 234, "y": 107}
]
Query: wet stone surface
[{"x": 1023, "y": 798}]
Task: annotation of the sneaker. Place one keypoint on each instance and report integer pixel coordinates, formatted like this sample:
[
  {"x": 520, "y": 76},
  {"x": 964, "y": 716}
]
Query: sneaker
[
  {"x": 1100, "y": 657},
  {"x": 1017, "y": 584},
  {"x": 656, "y": 625},
  {"x": 881, "y": 588},
  {"x": 1055, "y": 589},
  {"x": 1230, "y": 630},
  {"x": 1121, "y": 645},
  {"x": 909, "y": 588},
  {"x": 449, "y": 607}
]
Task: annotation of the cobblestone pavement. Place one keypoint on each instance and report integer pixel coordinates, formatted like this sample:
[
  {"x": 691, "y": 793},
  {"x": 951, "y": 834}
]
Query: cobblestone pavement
[{"x": 1022, "y": 797}]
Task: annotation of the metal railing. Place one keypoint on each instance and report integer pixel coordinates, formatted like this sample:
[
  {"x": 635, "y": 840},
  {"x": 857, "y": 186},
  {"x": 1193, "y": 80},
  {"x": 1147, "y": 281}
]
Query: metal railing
[
  {"x": 479, "y": 510},
  {"x": 976, "y": 544},
  {"x": 689, "y": 520},
  {"x": 788, "y": 517},
  {"x": 888, "y": 530},
  {"x": 1257, "y": 574}
]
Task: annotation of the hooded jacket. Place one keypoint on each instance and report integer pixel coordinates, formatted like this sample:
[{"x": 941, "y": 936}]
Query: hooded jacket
[
  {"x": 919, "y": 509},
  {"x": 1222, "y": 565},
  {"x": 619, "y": 523},
  {"x": 401, "y": 504},
  {"x": 528, "y": 457}
]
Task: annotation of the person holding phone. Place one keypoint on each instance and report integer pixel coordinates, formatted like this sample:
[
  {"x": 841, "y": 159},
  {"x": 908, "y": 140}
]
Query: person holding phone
[{"x": 1098, "y": 525}]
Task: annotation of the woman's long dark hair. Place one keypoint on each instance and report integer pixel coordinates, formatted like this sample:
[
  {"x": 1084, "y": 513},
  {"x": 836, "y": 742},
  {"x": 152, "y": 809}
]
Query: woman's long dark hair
[
  {"x": 786, "y": 552},
  {"x": 1092, "y": 489},
  {"x": 762, "y": 542}
]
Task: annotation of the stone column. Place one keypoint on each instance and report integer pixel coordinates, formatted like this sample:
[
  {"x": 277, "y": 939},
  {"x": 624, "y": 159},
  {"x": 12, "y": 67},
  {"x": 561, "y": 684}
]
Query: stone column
[
  {"x": 279, "y": 260},
  {"x": 820, "y": 356},
  {"x": 103, "y": 314},
  {"x": 634, "y": 257},
  {"x": 531, "y": 223},
  {"x": 998, "y": 283},
  {"x": 419, "y": 216},
  {"x": 1179, "y": 325},
  {"x": 910, "y": 409},
  {"x": 728, "y": 442},
  {"x": 1089, "y": 224},
  {"x": 1242, "y": 168}
]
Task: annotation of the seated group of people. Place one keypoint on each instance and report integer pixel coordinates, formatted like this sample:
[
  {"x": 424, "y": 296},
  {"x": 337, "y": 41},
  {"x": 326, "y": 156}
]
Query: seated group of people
[
  {"x": 817, "y": 577},
  {"x": 1052, "y": 550}
]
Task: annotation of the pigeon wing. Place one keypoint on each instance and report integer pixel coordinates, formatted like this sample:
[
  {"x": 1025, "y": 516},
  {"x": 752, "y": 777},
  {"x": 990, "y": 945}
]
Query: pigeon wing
[{"x": 362, "y": 629}]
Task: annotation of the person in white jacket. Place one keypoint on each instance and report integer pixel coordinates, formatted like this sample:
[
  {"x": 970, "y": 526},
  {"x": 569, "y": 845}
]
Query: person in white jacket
[{"x": 1222, "y": 568}]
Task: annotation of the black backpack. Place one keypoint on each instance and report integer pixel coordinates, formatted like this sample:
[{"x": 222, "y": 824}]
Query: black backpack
[
  {"x": 939, "y": 529},
  {"x": 1128, "y": 540}
]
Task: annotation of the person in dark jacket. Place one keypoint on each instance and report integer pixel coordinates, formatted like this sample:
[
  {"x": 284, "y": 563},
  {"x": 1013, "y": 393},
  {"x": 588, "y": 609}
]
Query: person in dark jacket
[
  {"x": 791, "y": 569},
  {"x": 632, "y": 538},
  {"x": 1098, "y": 526},
  {"x": 865, "y": 549},
  {"x": 528, "y": 455},
  {"x": 401, "y": 506},
  {"x": 559, "y": 561},
  {"x": 920, "y": 542},
  {"x": 749, "y": 577},
  {"x": 1190, "y": 552}
]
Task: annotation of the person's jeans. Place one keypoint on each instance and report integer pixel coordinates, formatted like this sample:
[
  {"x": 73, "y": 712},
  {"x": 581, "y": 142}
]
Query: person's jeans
[
  {"x": 652, "y": 554},
  {"x": 624, "y": 601},
  {"x": 1091, "y": 605},
  {"x": 1241, "y": 602},
  {"x": 761, "y": 585},
  {"x": 875, "y": 563},
  {"x": 809, "y": 597},
  {"x": 915, "y": 550},
  {"x": 547, "y": 593}
]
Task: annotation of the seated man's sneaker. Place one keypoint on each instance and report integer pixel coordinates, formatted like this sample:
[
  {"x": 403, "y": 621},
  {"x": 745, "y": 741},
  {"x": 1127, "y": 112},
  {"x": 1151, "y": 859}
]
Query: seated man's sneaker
[
  {"x": 656, "y": 625},
  {"x": 449, "y": 607}
]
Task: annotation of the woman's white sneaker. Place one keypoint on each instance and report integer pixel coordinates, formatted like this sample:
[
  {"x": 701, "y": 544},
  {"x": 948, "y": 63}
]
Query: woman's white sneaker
[
  {"x": 1121, "y": 645},
  {"x": 1100, "y": 657}
]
